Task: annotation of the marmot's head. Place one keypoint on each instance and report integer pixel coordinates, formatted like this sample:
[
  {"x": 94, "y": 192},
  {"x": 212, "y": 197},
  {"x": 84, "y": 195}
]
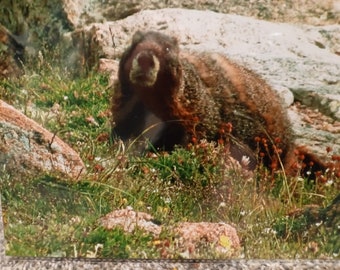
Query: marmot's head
[{"x": 152, "y": 56}]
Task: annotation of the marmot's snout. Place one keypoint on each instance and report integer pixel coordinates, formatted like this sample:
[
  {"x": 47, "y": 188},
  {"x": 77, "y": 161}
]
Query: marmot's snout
[
  {"x": 144, "y": 70},
  {"x": 146, "y": 60}
]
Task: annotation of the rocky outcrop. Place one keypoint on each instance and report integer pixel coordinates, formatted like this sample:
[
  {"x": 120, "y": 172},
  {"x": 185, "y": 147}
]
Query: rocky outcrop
[
  {"x": 130, "y": 220},
  {"x": 302, "y": 62},
  {"x": 313, "y": 12},
  {"x": 26, "y": 148},
  {"x": 219, "y": 238}
]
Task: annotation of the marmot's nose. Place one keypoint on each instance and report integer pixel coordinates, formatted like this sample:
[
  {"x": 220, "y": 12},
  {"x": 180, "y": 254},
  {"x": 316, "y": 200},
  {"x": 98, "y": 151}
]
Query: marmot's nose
[{"x": 146, "y": 60}]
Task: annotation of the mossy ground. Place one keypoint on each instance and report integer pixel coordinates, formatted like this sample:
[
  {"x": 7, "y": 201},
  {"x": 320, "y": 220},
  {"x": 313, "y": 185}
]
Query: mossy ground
[{"x": 46, "y": 215}]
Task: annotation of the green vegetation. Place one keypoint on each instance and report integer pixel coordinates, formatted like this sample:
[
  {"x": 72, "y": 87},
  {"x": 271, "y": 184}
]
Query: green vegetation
[
  {"x": 42, "y": 22},
  {"x": 46, "y": 215}
]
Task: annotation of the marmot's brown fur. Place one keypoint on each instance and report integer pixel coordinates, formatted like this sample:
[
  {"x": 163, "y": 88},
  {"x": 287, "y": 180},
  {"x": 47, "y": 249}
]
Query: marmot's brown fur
[{"x": 171, "y": 97}]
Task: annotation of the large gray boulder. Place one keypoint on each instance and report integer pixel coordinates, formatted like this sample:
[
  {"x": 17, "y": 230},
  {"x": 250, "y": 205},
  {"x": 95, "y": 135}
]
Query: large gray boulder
[{"x": 314, "y": 12}]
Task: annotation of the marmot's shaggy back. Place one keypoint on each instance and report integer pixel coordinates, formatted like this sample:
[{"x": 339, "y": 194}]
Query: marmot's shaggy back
[{"x": 174, "y": 96}]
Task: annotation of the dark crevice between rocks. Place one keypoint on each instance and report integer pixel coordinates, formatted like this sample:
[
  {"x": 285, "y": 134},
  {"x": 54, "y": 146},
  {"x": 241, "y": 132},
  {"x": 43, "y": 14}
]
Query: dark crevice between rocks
[{"x": 326, "y": 105}]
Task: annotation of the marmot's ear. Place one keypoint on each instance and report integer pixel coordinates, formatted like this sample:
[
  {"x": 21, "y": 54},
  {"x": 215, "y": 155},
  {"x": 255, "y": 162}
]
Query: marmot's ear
[{"x": 137, "y": 37}]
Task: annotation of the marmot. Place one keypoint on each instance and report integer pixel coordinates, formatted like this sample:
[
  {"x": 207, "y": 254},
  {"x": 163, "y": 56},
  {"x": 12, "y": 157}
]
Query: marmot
[{"x": 171, "y": 97}]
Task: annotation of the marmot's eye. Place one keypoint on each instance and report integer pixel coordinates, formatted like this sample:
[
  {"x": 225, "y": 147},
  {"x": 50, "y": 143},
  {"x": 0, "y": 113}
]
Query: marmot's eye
[{"x": 167, "y": 49}]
